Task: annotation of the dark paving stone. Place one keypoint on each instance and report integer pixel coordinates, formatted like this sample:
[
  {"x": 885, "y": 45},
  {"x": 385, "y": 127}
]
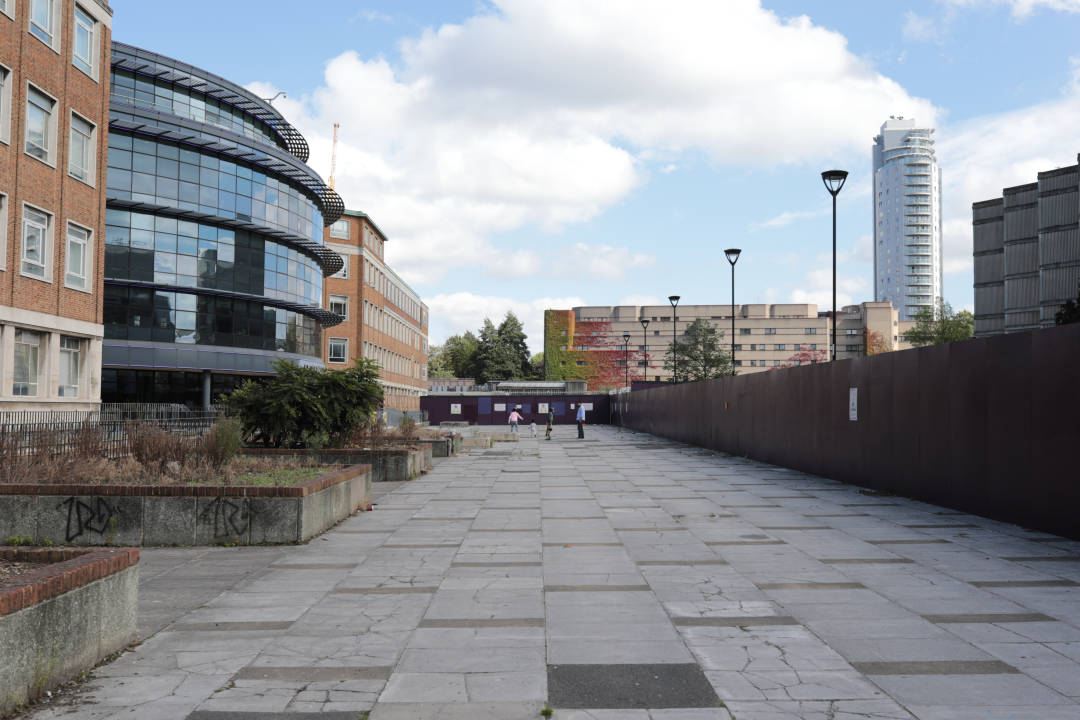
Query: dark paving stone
[
  {"x": 1044, "y": 558},
  {"x": 405, "y": 590},
  {"x": 936, "y": 667},
  {"x": 870, "y": 504},
  {"x": 1024, "y": 583},
  {"x": 989, "y": 618},
  {"x": 597, "y": 588},
  {"x": 813, "y": 586},
  {"x": 630, "y": 686},
  {"x": 835, "y": 515},
  {"x": 913, "y": 541},
  {"x": 867, "y": 561},
  {"x": 315, "y": 674},
  {"x": 744, "y": 621},
  {"x": 942, "y": 526},
  {"x": 481, "y": 622},
  {"x": 244, "y": 715},
  {"x": 795, "y": 527},
  {"x": 229, "y": 626},
  {"x": 790, "y": 497}
]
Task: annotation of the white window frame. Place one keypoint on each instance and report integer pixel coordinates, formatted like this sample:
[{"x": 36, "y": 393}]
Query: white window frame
[
  {"x": 90, "y": 23},
  {"x": 51, "y": 33},
  {"x": 88, "y": 254},
  {"x": 67, "y": 352},
  {"x": 343, "y": 273},
  {"x": 7, "y": 78},
  {"x": 91, "y": 147},
  {"x": 47, "y": 238},
  {"x": 335, "y": 233},
  {"x": 8, "y": 8},
  {"x": 35, "y": 366},
  {"x": 50, "y": 129},
  {"x": 330, "y": 350},
  {"x": 343, "y": 300}
]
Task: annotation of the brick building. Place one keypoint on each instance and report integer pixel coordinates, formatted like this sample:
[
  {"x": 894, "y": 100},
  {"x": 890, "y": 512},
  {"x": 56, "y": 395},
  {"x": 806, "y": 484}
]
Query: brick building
[
  {"x": 54, "y": 100},
  {"x": 385, "y": 319}
]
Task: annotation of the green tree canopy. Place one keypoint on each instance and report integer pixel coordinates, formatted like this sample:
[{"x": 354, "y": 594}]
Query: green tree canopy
[
  {"x": 499, "y": 353},
  {"x": 537, "y": 364},
  {"x": 700, "y": 356},
  {"x": 1069, "y": 312},
  {"x": 457, "y": 357},
  {"x": 934, "y": 326}
]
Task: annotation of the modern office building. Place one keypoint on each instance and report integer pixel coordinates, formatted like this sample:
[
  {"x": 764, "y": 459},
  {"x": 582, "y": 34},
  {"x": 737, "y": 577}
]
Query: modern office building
[
  {"x": 587, "y": 342},
  {"x": 907, "y": 218},
  {"x": 214, "y": 254},
  {"x": 385, "y": 320},
  {"x": 53, "y": 116},
  {"x": 1027, "y": 253}
]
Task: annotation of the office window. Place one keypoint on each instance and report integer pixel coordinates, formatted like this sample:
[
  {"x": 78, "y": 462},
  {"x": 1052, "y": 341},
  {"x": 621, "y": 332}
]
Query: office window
[
  {"x": 340, "y": 229},
  {"x": 851, "y": 331},
  {"x": 780, "y": 346},
  {"x": 776, "y": 363},
  {"x": 736, "y": 347},
  {"x": 70, "y": 353},
  {"x": 655, "y": 332},
  {"x": 738, "y": 363},
  {"x": 339, "y": 350},
  {"x": 813, "y": 346},
  {"x": 36, "y": 235},
  {"x": 27, "y": 367},
  {"x": 43, "y": 21},
  {"x": 8, "y": 8},
  {"x": 797, "y": 347},
  {"x": 744, "y": 331},
  {"x": 340, "y": 304},
  {"x": 5, "y": 104},
  {"x": 811, "y": 331},
  {"x": 78, "y": 252},
  {"x": 343, "y": 273},
  {"x": 81, "y": 150},
  {"x": 770, "y": 331},
  {"x": 83, "y": 44},
  {"x": 40, "y": 125}
]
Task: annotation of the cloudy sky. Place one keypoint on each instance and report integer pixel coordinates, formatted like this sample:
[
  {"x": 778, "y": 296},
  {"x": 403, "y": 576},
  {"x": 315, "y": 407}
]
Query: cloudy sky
[{"x": 525, "y": 154}]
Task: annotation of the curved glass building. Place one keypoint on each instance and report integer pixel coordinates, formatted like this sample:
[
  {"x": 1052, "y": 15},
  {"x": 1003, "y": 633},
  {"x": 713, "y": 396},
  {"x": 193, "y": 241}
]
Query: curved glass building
[{"x": 214, "y": 255}]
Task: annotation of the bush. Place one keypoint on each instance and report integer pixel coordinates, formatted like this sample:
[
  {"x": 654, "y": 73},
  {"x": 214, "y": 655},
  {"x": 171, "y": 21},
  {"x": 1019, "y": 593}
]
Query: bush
[
  {"x": 222, "y": 441},
  {"x": 408, "y": 429},
  {"x": 306, "y": 407},
  {"x": 154, "y": 447}
]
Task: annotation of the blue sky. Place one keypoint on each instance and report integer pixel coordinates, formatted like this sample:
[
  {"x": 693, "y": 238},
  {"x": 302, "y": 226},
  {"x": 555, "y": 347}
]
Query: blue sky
[{"x": 524, "y": 154}]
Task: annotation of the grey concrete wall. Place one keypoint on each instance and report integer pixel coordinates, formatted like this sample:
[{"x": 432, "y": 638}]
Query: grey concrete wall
[
  {"x": 386, "y": 465},
  {"x": 988, "y": 426},
  {"x": 142, "y": 520},
  {"x": 44, "y": 645}
]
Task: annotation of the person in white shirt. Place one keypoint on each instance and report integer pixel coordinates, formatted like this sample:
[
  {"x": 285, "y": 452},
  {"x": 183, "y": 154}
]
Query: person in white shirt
[{"x": 581, "y": 421}]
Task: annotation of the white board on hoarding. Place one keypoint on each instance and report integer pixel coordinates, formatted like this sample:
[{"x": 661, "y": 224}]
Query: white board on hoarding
[{"x": 455, "y": 408}]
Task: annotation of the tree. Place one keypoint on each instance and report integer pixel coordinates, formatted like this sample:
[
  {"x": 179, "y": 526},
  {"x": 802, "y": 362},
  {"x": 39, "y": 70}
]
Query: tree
[
  {"x": 934, "y": 326},
  {"x": 439, "y": 362},
  {"x": 804, "y": 357},
  {"x": 537, "y": 364},
  {"x": 699, "y": 354},
  {"x": 458, "y": 356},
  {"x": 1069, "y": 312},
  {"x": 512, "y": 342}
]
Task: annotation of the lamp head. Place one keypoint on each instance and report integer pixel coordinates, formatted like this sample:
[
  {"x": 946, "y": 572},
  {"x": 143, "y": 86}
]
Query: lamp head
[
  {"x": 834, "y": 180},
  {"x": 673, "y": 299},
  {"x": 644, "y": 323},
  {"x": 626, "y": 337},
  {"x": 732, "y": 255}
]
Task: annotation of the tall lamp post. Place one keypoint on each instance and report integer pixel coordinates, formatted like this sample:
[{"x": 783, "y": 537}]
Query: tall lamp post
[
  {"x": 626, "y": 356},
  {"x": 834, "y": 181},
  {"x": 732, "y": 255},
  {"x": 674, "y": 300},
  {"x": 645, "y": 346}
]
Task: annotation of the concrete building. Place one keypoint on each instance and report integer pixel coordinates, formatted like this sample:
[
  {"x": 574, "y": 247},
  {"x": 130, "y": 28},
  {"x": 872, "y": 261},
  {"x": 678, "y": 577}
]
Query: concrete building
[
  {"x": 214, "y": 255},
  {"x": 385, "y": 320},
  {"x": 908, "y": 267},
  {"x": 587, "y": 342},
  {"x": 1026, "y": 248},
  {"x": 54, "y": 104}
]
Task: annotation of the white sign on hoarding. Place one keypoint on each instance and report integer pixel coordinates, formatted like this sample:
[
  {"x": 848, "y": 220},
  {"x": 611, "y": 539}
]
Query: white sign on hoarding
[
  {"x": 455, "y": 408},
  {"x": 500, "y": 407},
  {"x": 853, "y": 404},
  {"x": 587, "y": 406},
  {"x": 542, "y": 408}
]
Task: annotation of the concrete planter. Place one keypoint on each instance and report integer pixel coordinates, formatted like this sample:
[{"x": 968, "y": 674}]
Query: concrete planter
[
  {"x": 389, "y": 464},
  {"x": 182, "y": 515},
  {"x": 62, "y": 619}
]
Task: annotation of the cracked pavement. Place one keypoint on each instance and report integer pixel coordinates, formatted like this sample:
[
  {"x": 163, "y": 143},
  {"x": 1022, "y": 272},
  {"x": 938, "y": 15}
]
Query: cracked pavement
[{"x": 482, "y": 589}]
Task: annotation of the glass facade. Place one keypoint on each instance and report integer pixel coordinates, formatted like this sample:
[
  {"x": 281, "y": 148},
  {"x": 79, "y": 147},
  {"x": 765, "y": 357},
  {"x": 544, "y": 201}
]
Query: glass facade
[
  {"x": 167, "y": 251},
  {"x": 212, "y": 264},
  {"x": 166, "y": 174},
  {"x": 137, "y": 313}
]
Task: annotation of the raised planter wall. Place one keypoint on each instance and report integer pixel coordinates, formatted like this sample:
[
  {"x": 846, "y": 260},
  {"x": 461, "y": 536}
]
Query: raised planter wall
[
  {"x": 182, "y": 515},
  {"x": 62, "y": 619},
  {"x": 387, "y": 464}
]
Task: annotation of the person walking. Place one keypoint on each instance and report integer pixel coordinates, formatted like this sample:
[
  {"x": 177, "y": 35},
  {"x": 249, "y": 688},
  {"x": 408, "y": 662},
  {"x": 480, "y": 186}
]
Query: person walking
[
  {"x": 515, "y": 418},
  {"x": 581, "y": 421},
  {"x": 532, "y": 428},
  {"x": 550, "y": 422}
]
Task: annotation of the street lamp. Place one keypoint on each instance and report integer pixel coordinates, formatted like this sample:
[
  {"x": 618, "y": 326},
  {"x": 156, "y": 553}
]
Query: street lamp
[
  {"x": 834, "y": 181},
  {"x": 645, "y": 347},
  {"x": 626, "y": 356},
  {"x": 732, "y": 257},
  {"x": 674, "y": 300}
]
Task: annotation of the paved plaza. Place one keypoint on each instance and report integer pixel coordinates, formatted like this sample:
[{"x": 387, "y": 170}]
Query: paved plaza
[{"x": 622, "y": 577}]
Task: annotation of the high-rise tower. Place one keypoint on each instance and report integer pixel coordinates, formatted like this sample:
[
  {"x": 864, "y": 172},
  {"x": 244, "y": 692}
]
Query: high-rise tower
[{"x": 907, "y": 217}]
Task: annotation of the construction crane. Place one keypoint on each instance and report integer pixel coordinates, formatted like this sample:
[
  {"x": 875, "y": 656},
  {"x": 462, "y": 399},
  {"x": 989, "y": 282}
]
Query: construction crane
[{"x": 333, "y": 155}]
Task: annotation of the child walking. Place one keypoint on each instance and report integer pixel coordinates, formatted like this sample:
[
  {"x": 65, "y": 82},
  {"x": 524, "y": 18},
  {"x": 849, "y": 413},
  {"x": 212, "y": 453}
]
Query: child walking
[{"x": 532, "y": 428}]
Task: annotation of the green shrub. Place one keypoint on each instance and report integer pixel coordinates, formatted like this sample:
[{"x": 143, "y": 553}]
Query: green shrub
[{"x": 306, "y": 407}]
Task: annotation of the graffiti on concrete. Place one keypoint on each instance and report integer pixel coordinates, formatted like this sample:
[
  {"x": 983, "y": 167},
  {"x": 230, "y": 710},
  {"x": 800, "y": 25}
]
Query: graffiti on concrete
[
  {"x": 229, "y": 517},
  {"x": 82, "y": 517}
]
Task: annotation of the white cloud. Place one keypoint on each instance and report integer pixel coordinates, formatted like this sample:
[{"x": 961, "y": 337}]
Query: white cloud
[
  {"x": 454, "y": 313},
  {"x": 539, "y": 112},
  {"x": 924, "y": 29},
  {"x": 790, "y": 216},
  {"x": 607, "y": 261},
  {"x": 1021, "y": 9},
  {"x": 817, "y": 288},
  {"x": 641, "y": 300},
  {"x": 368, "y": 15}
]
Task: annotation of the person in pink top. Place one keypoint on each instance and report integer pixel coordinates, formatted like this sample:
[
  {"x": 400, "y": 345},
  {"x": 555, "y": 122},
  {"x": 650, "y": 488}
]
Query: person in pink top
[{"x": 515, "y": 418}]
